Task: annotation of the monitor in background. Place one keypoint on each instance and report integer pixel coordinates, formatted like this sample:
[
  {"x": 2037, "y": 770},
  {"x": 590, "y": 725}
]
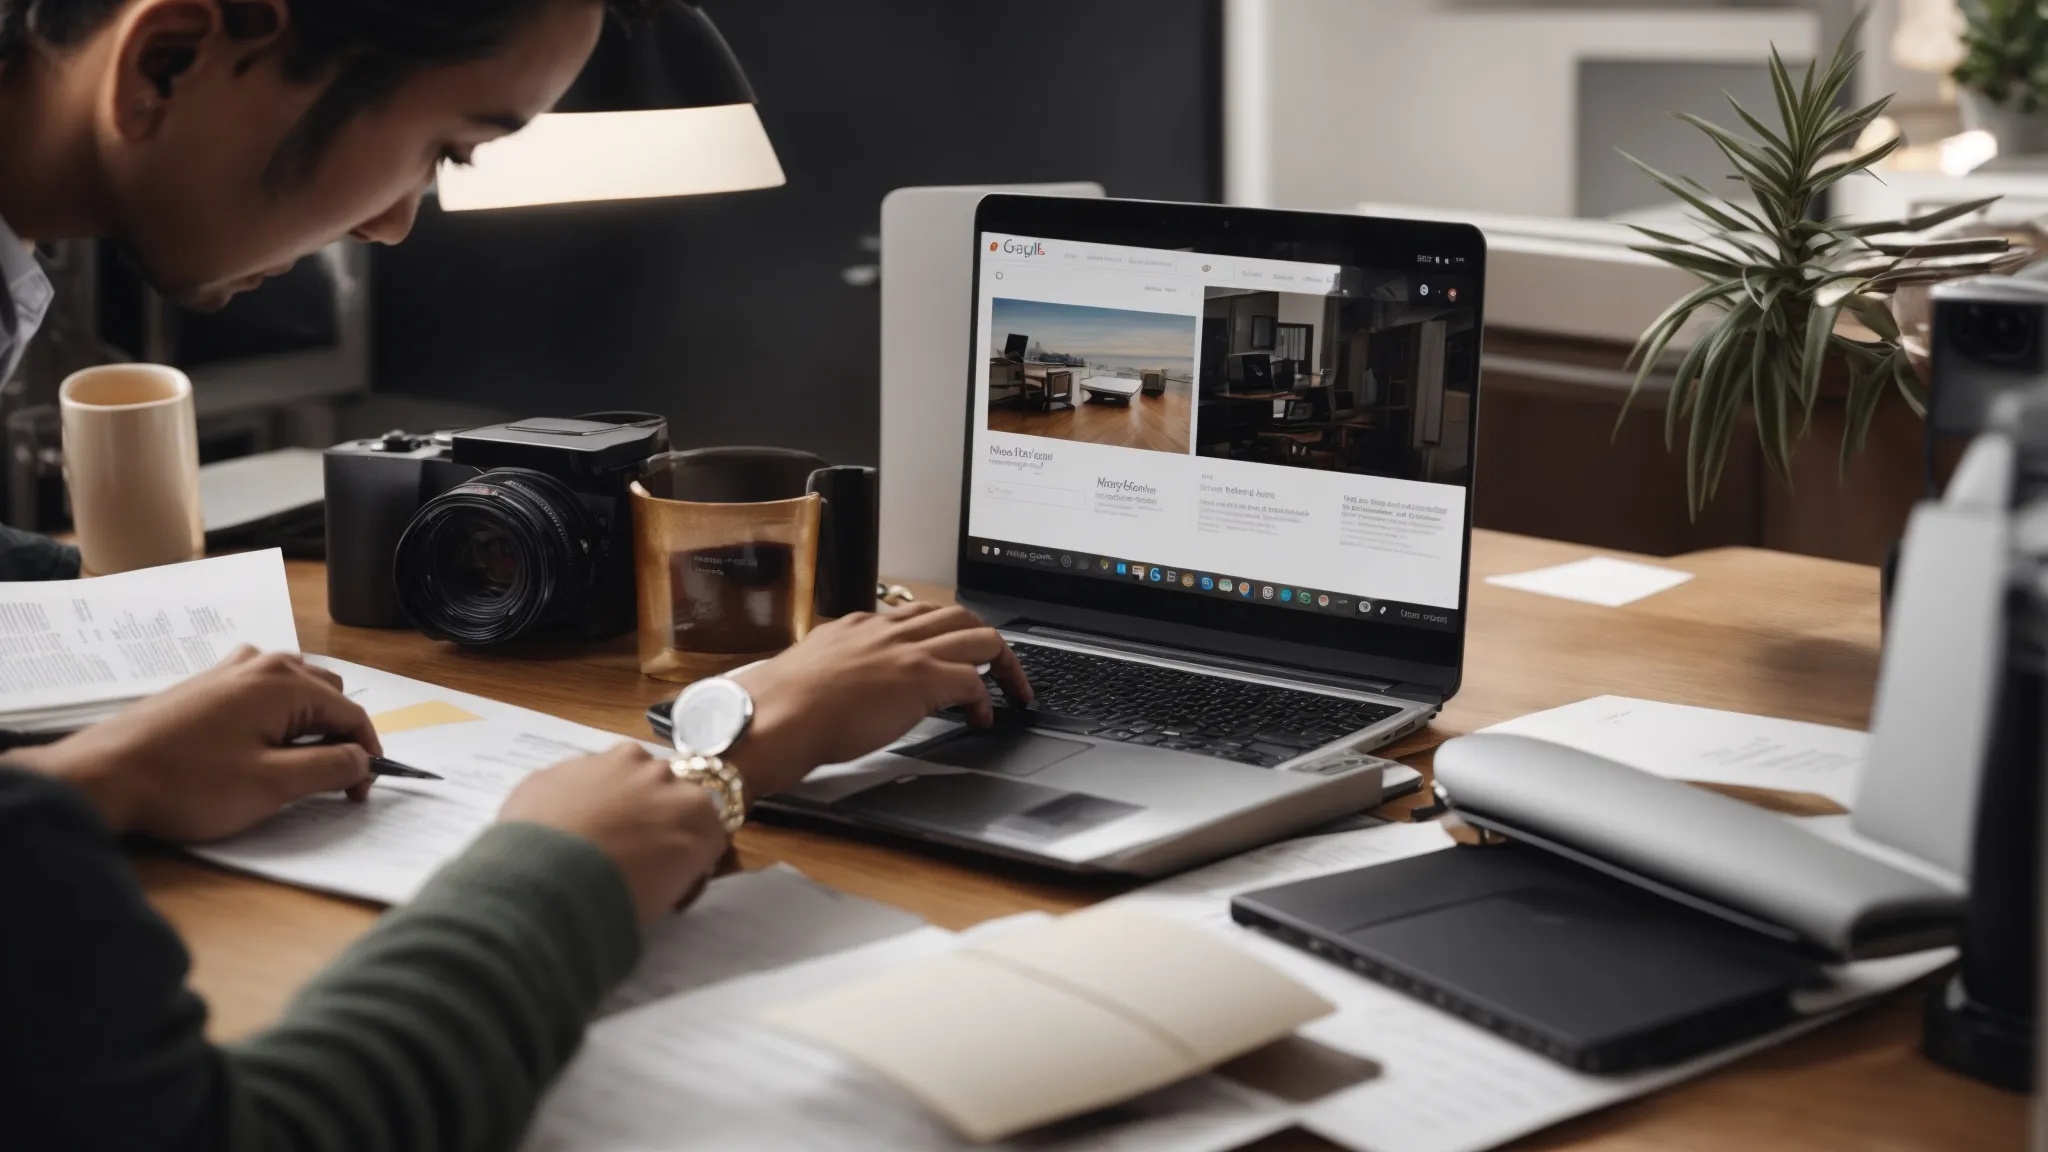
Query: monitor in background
[{"x": 1015, "y": 346}]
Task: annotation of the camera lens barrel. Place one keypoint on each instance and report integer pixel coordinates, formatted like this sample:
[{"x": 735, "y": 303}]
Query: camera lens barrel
[{"x": 495, "y": 558}]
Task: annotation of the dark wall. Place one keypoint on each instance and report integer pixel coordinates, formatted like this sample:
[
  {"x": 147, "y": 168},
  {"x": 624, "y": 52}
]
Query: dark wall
[{"x": 735, "y": 315}]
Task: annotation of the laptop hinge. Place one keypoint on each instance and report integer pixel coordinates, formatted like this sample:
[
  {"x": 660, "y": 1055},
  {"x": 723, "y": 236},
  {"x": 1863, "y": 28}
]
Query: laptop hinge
[{"x": 1231, "y": 663}]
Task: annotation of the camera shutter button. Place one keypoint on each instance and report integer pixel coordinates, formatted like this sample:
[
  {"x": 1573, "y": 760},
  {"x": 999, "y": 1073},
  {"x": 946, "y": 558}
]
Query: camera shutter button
[{"x": 395, "y": 442}]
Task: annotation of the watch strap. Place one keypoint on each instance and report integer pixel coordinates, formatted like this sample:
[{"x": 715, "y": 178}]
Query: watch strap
[{"x": 722, "y": 781}]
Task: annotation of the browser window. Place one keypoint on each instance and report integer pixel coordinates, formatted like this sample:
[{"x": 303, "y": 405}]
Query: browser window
[{"x": 1285, "y": 433}]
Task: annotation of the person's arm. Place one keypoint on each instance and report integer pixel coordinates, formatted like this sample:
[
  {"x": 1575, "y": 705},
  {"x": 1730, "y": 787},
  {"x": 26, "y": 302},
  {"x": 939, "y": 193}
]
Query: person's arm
[{"x": 439, "y": 1029}]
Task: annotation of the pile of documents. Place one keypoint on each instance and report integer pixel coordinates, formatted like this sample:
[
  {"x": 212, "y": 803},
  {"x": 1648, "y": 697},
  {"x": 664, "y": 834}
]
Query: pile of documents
[{"x": 74, "y": 652}]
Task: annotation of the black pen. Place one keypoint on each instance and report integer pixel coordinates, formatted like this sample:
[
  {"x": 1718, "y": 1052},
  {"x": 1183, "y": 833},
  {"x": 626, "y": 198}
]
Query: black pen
[{"x": 379, "y": 766}]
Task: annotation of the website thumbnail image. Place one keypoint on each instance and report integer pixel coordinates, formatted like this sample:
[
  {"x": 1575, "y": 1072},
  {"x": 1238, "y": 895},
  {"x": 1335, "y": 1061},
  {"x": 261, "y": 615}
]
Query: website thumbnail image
[
  {"x": 1168, "y": 578},
  {"x": 1378, "y": 381},
  {"x": 1117, "y": 377}
]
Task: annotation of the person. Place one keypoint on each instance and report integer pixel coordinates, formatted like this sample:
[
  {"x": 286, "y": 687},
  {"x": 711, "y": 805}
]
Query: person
[{"x": 214, "y": 142}]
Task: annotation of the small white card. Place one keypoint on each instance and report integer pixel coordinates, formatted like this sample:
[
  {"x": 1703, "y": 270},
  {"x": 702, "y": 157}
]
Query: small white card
[{"x": 1598, "y": 580}]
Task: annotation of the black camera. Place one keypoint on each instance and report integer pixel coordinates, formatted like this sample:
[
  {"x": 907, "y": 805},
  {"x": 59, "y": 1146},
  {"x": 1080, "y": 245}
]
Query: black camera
[
  {"x": 489, "y": 535},
  {"x": 1990, "y": 336}
]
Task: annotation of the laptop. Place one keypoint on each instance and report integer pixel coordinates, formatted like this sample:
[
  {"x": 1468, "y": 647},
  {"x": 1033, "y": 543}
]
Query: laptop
[{"x": 1217, "y": 643}]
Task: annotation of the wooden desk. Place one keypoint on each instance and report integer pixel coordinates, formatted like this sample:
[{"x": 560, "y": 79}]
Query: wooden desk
[{"x": 1757, "y": 631}]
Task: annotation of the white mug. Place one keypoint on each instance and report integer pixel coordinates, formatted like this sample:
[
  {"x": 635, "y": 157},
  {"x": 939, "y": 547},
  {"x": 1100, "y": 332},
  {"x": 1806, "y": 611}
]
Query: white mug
[{"x": 131, "y": 460}]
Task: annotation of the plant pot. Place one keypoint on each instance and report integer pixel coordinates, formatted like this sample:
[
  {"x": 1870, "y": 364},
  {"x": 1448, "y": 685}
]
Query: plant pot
[{"x": 2018, "y": 133}]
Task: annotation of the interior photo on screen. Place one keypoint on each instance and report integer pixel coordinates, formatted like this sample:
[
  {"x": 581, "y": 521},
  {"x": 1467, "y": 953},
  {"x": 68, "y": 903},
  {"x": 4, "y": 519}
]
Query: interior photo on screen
[
  {"x": 1109, "y": 376},
  {"x": 1377, "y": 382}
]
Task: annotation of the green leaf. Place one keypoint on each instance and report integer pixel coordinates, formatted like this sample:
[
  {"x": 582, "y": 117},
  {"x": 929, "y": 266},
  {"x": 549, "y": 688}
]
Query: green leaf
[
  {"x": 1820, "y": 329},
  {"x": 1910, "y": 388},
  {"x": 1684, "y": 390},
  {"x": 1650, "y": 348},
  {"x": 1698, "y": 200},
  {"x": 1772, "y": 141},
  {"x": 1758, "y": 168},
  {"x": 1827, "y": 177},
  {"x": 1850, "y": 125},
  {"x": 1719, "y": 394},
  {"x": 1756, "y": 223},
  {"x": 1788, "y": 104},
  {"x": 1769, "y": 408},
  {"x": 1708, "y": 267},
  {"x": 1922, "y": 222},
  {"x": 1658, "y": 336},
  {"x": 1874, "y": 314}
]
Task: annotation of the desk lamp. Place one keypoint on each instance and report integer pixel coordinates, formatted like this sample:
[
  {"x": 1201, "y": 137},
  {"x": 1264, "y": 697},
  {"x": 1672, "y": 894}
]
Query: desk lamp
[{"x": 662, "y": 109}]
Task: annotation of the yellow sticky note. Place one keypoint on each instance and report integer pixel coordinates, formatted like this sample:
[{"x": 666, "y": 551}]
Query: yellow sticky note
[{"x": 432, "y": 714}]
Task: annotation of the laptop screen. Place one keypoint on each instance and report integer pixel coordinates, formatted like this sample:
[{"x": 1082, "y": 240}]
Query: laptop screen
[{"x": 1289, "y": 435}]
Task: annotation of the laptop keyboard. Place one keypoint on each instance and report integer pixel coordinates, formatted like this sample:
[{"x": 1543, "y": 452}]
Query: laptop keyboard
[{"x": 1136, "y": 703}]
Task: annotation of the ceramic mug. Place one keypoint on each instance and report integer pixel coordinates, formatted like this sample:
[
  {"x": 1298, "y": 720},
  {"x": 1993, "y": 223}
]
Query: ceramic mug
[{"x": 131, "y": 461}]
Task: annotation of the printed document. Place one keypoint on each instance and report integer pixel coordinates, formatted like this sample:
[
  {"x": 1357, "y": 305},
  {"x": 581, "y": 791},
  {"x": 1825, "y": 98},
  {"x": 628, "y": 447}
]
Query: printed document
[
  {"x": 386, "y": 848},
  {"x": 73, "y": 652},
  {"x": 1707, "y": 746}
]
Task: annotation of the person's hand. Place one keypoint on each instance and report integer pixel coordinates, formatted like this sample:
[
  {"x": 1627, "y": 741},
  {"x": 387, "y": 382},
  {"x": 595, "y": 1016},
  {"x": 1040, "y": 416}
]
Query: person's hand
[
  {"x": 858, "y": 683},
  {"x": 662, "y": 832},
  {"x": 214, "y": 755}
]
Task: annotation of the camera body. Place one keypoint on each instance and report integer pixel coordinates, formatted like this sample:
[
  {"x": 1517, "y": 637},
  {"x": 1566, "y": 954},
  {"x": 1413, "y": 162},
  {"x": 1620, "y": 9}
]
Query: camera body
[
  {"x": 491, "y": 534},
  {"x": 1990, "y": 336}
]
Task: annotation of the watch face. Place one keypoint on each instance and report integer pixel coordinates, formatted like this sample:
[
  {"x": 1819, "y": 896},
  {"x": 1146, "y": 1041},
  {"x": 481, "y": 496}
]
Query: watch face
[{"x": 710, "y": 716}]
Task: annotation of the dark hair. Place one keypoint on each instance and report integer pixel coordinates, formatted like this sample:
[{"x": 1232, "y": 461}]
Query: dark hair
[{"x": 368, "y": 48}]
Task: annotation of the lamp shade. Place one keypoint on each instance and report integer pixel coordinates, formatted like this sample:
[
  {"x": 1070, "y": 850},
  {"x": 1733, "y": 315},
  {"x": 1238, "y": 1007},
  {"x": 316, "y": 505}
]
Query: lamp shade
[{"x": 662, "y": 109}]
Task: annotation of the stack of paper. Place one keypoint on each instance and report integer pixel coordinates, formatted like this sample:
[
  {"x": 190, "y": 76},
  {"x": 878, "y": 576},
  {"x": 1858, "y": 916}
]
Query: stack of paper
[{"x": 74, "y": 652}]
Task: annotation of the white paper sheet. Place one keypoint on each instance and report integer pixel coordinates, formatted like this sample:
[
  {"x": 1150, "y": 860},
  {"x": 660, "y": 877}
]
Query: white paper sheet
[
  {"x": 748, "y": 923},
  {"x": 1445, "y": 1085},
  {"x": 1701, "y": 744},
  {"x": 1600, "y": 580},
  {"x": 385, "y": 849},
  {"x": 698, "y": 1071},
  {"x": 74, "y": 651}
]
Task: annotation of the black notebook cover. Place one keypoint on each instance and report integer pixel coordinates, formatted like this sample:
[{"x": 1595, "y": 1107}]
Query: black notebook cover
[{"x": 1586, "y": 969}]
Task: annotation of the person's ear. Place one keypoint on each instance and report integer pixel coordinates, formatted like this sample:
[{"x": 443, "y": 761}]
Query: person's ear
[{"x": 166, "y": 42}]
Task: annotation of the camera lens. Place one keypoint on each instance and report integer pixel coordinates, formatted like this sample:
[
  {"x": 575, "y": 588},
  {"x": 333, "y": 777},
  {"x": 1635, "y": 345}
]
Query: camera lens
[
  {"x": 1997, "y": 333},
  {"x": 495, "y": 558}
]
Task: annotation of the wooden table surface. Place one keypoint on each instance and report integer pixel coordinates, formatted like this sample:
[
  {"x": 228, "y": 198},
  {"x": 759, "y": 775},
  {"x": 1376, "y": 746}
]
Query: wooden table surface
[{"x": 1757, "y": 631}]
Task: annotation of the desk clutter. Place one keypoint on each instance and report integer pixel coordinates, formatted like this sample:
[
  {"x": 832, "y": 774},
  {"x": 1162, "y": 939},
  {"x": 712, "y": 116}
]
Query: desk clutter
[{"x": 839, "y": 1022}]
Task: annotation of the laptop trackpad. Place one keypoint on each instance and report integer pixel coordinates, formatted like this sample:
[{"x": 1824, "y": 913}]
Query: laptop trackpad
[
  {"x": 1011, "y": 753},
  {"x": 965, "y": 802}
]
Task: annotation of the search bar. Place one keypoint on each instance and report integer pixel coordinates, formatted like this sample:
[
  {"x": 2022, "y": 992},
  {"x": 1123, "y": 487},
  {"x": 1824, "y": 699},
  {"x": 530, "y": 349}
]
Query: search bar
[{"x": 1042, "y": 494}]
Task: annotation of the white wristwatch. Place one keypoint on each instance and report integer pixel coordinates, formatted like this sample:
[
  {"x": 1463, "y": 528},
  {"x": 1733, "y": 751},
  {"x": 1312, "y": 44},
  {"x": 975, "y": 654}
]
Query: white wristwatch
[
  {"x": 706, "y": 721},
  {"x": 710, "y": 717}
]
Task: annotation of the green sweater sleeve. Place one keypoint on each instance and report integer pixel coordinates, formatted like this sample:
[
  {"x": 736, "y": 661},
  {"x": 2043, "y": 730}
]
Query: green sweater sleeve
[{"x": 438, "y": 1030}]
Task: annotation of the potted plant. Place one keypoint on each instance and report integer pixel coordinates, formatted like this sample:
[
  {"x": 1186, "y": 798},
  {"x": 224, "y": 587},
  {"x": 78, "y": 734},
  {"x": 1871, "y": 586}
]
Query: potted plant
[
  {"x": 1779, "y": 286},
  {"x": 2003, "y": 79}
]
